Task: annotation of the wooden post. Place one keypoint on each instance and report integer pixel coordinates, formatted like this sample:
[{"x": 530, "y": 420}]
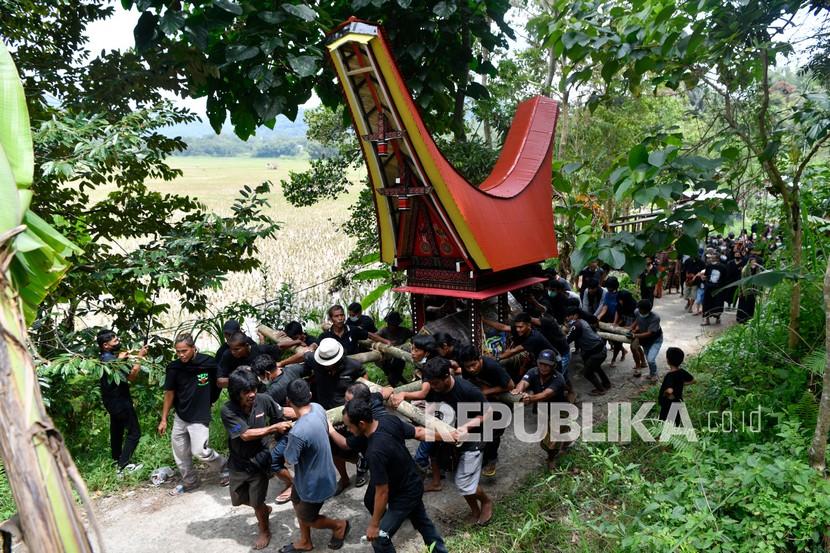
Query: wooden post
[
  {"x": 419, "y": 319},
  {"x": 503, "y": 309},
  {"x": 475, "y": 324}
]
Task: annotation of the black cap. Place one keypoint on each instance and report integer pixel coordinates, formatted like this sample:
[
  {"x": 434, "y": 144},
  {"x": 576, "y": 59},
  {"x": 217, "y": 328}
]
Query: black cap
[
  {"x": 548, "y": 357},
  {"x": 231, "y": 326}
]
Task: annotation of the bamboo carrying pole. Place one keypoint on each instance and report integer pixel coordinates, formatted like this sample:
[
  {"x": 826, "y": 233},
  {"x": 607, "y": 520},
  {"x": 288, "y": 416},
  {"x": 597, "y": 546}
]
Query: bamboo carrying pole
[
  {"x": 377, "y": 349},
  {"x": 409, "y": 411}
]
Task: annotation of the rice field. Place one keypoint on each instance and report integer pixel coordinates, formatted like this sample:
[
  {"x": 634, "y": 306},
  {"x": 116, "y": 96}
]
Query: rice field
[{"x": 307, "y": 249}]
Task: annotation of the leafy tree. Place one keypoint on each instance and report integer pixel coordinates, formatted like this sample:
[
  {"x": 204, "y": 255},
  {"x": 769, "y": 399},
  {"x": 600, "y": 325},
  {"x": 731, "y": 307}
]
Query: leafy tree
[
  {"x": 258, "y": 59},
  {"x": 135, "y": 242},
  {"x": 725, "y": 48}
]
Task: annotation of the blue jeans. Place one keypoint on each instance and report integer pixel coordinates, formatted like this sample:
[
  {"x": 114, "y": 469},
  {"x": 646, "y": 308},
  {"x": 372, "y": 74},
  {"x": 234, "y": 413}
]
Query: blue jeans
[
  {"x": 651, "y": 355},
  {"x": 566, "y": 361},
  {"x": 423, "y": 453},
  {"x": 416, "y": 513}
]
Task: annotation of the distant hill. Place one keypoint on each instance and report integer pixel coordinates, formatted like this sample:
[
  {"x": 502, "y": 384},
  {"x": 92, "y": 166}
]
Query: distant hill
[
  {"x": 286, "y": 139},
  {"x": 284, "y": 128}
]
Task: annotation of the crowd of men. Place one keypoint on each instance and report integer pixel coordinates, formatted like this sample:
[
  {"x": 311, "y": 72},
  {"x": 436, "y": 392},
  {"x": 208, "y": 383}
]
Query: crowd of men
[{"x": 278, "y": 396}]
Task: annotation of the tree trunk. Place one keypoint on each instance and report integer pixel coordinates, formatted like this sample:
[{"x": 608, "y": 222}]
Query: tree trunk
[
  {"x": 797, "y": 238},
  {"x": 458, "y": 129},
  {"x": 818, "y": 448},
  {"x": 563, "y": 124},
  {"x": 38, "y": 465}
]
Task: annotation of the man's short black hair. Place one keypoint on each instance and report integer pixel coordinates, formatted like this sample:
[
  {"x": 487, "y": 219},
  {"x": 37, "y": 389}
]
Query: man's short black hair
[
  {"x": 184, "y": 338},
  {"x": 231, "y": 326},
  {"x": 358, "y": 411},
  {"x": 573, "y": 310},
  {"x": 592, "y": 283},
  {"x": 675, "y": 356},
  {"x": 104, "y": 335},
  {"x": 355, "y": 307},
  {"x": 240, "y": 381},
  {"x": 444, "y": 339},
  {"x": 426, "y": 343},
  {"x": 299, "y": 394},
  {"x": 611, "y": 283},
  {"x": 237, "y": 338},
  {"x": 333, "y": 309},
  {"x": 522, "y": 318},
  {"x": 393, "y": 318},
  {"x": 644, "y": 306},
  {"x": 436, "y": 368},
  {"x": 293, "y": 329},
  {"x": 467, "y": 354},
  {"x": 556, "y": 284},
  {"x": 263, "y": 364},
  {"x": 360, "y": 390}
]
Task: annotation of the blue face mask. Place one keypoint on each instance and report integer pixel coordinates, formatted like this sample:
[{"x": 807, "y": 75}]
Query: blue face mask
[
  {"x": 552, "y": 293},
  {"x": 354, "y": 319}
]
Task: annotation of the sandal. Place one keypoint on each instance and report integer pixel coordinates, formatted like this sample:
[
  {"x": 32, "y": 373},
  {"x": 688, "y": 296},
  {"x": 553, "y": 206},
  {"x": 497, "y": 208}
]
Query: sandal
[
  {"x": 289, "y": 548},
  {"x": 337, "y": 543},
  {"x": 178, "y": 490},
  {"x": 284, "y": 496}
]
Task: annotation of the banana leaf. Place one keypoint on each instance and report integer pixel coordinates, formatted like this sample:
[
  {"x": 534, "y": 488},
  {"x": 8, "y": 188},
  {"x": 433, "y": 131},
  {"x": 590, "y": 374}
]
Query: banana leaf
[{"x": 40, "y": 252}]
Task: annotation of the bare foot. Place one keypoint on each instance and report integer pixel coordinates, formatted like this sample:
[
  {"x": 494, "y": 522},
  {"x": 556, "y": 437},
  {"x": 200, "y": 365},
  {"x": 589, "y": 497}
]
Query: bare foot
[
  {"x": 486, "y": 512},
  {"x": 433, "y": 487},
  {"x": 262, "y": 540}
]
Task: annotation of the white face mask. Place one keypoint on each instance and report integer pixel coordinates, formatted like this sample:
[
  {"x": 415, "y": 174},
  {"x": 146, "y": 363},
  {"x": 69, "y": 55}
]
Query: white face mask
[{"x": 354, "y": 319}]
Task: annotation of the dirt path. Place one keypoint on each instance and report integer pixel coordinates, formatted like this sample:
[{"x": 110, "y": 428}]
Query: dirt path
[{"x": 204, "y": 521}]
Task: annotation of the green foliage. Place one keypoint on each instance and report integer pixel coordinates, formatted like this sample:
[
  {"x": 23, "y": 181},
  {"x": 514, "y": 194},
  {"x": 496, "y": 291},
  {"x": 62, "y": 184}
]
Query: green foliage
[
  {"x": 256, "y": 60},
  {"x": 136, "y": 242},
  {"x": 737, "y": 491}
]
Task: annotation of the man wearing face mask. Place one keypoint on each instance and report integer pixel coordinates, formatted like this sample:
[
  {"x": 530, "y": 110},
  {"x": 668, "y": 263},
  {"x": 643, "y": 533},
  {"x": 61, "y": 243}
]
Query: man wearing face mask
[
  {"x": 115, "y": 393},
  {"x": 190, "y": 387},
  {"x": 357, "y": 318}
]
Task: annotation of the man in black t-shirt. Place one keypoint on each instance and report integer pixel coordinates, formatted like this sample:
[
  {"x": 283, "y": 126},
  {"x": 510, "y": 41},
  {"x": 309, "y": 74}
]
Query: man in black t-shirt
[
  {"x": 591, "y": 272},
  {"x": 527, "y": 342},
  {"x": 544, "y": 384},
  {"x": 395, "y": 491},
  {"x": 358, "y": 319},
  {"x": 115, "y": 394},
  {"x": 492, "y": 379},
  {"x": 189, "y": 385},
  {"x": 251, "y": 421},
  {"x": 230, "y": 328},
  {"x": 453, "y": 392},
  {"x": 242, "y": 352},
  {"x": 394, "y": 334},
  {"x": 333, "y": 374},
  {"x": 348, "y": 336}
]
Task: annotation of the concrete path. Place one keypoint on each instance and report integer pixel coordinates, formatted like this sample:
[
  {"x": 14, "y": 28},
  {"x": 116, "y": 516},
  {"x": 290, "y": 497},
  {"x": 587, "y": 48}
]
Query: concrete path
[{"x": 204, "y": 521}]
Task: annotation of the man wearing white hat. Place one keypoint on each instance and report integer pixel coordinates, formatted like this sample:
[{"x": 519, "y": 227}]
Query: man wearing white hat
[{"x": 333, "y": 373}]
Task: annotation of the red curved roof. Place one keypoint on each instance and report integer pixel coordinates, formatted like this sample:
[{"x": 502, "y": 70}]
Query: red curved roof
[{"x": 507, "y": 221}]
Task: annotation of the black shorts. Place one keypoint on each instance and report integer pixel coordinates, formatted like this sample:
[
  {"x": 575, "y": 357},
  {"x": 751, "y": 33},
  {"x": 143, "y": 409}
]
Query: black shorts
[
  {"x": 248, "y": 488},
  {"x": 306, "y": 512}
]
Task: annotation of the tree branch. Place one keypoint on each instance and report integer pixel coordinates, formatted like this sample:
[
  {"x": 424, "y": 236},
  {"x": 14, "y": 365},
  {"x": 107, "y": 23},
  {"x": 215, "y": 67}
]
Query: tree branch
[{"x": 813, "y": 151}]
